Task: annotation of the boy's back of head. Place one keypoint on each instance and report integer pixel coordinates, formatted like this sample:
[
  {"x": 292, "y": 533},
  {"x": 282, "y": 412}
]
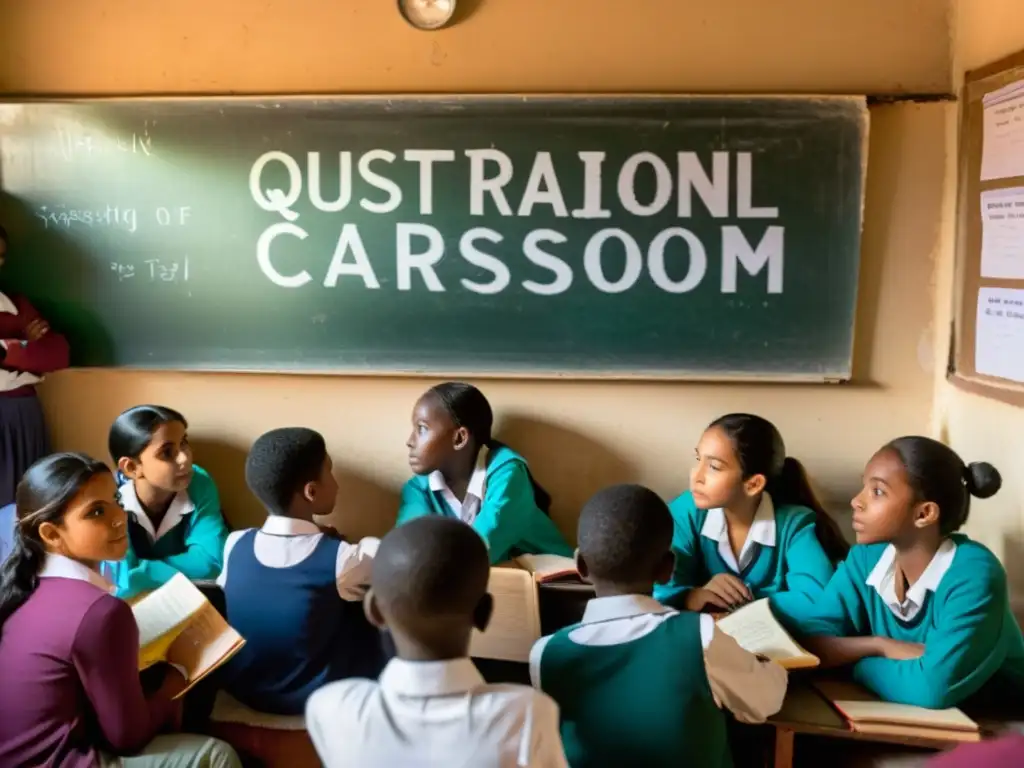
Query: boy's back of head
[
  {"x": 430, "y": 584},
  {"x": 282, "y": 462},
  {"x": 625, "y": 537}
]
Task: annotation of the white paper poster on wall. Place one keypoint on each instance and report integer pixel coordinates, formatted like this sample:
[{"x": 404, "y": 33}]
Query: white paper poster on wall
[
  {"x": 1002, "y": 153},
  {"x": 1002, "y": 233},
  {"x": 999, "y": 339}
]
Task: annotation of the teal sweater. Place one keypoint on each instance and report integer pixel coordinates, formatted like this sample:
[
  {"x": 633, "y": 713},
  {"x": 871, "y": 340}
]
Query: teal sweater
[
  {"x": 509, "y": 520},
  {"x": 792, "y": 574},
  {"x": 194, "y": 547},
  {"x": 969, "y": 634}
]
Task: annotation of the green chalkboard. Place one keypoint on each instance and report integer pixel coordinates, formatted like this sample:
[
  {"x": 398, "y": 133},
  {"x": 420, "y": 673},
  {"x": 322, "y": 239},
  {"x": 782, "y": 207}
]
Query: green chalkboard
[{"x": 704, "y": 237}]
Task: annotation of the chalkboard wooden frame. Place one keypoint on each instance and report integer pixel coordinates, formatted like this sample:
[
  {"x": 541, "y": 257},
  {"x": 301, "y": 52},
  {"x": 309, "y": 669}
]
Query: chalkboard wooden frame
[{"x": 405, "y": 106}]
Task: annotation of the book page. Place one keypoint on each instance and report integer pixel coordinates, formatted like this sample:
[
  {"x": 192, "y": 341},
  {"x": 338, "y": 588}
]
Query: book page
[
  {"x": 162, "y": 613},
  {"x": 861, "y": 706},
  {"x": 515, "y": 622},
  {"x": 757, "y": 630},
  {"x": 207, "y": 642}
]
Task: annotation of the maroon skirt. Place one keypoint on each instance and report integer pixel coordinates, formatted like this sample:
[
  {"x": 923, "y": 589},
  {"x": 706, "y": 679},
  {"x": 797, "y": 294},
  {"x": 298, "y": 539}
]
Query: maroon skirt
[{"x": 23, "y": 441}]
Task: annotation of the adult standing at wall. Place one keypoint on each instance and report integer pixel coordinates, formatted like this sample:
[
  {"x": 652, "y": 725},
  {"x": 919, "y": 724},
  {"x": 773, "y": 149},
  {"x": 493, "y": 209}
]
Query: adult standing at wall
[{"x": 28, "y": 350}]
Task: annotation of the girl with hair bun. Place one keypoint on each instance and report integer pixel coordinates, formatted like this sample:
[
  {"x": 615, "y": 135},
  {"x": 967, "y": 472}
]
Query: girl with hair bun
[{"x": 920, "y": 611}]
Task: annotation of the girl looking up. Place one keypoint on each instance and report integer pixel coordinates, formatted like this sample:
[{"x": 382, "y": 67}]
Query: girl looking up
[
  {"x": 462, "y": 472},
  {"x": 920, "y": 611},
  {"x": 69, "y": 651},
  {"x": 750, "y": 526},
  {"x": 174, "y": 519}
]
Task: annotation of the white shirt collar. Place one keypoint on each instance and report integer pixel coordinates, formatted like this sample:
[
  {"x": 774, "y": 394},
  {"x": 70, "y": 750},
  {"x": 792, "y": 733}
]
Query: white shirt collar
[
  {"x": 762, "y": 532},
  {"x": 621, "y": 607},
  {"x": 276, "y": 525},
  {"x": 7, "y": 306},
  {"x": 883, "y": 579},
  {"x": 467, "y": 508},
  {"x": 430, "y": 678},
  {"x": 60, "y": 567},
  {"x": 181, "y": 505}
]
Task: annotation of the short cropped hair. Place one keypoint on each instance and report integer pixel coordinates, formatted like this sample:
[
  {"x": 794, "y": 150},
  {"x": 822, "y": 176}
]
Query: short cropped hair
[
  {"x": 281, "y": 462},
  {"x": 431, "y": 566},
  {"x": 624, "y": 532}
]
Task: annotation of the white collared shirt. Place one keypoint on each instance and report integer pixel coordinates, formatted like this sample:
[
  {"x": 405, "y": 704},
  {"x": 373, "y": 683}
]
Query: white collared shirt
[
  {"x": 467, "y": 509},
  {"x": 180, "y": 506},
  {"x": 753, "y": 690},
  {"x": 10, "y": 380},
  {"x": 433, "y": 714},
  {"x": 883, "y": 579},
  {"x": 761, "y": 534},
  {"x": 283, "y": 542},
  {"x": 60, "y": 567}
]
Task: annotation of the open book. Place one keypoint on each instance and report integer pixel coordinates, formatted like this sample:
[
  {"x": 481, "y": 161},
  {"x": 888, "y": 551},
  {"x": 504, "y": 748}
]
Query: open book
[
  {"x": 548, "y": 568},
  {"x": 757, "y": 630},
  {"x": 868, "y": 714},
  {"x": 177, "y": 624}
]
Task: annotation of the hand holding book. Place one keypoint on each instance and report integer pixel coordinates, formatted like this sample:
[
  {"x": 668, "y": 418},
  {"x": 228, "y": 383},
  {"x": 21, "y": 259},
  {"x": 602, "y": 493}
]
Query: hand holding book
[{"x": 177, "y": 624}]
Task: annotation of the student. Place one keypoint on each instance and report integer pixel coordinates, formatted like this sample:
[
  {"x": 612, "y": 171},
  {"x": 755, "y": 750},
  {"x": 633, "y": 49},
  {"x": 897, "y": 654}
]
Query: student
[
  {"x": 638, "y": 683},
  {"x": 432, "y": 708},
  {"x": 174, "y": 519},
  {"x": 750, "y": 526},
  {"x": 69, "y": 651},
  {"x": 920, "y": 611},
  {"x": 462, "y": 472},
  {"x": 28, "y": 349},
  {"x": 293, "y": 592}
]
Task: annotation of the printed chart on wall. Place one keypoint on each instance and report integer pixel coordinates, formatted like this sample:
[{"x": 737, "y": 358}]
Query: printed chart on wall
[
  {"x": 999, "y": 329},
  {"x": 684, "y": 237}
]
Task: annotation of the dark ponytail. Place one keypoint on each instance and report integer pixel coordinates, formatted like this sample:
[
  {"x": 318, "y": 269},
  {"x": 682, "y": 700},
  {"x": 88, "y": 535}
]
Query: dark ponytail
[
  {"x": 760, "y": 451},
  {"x": 467, "y": 407},
  {"x": 42, "y": 497},
  {"x": 936, "y": 473}
]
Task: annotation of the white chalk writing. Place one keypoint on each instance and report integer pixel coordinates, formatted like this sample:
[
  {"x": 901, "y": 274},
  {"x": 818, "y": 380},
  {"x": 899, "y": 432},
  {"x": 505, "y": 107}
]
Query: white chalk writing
[
  {"x": 152, "y": 270},
  {"x": 111, "y": 216}
]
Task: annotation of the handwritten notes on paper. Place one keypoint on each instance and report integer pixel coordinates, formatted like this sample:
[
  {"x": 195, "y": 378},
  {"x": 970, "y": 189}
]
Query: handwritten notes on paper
[
  {"x": 999, "y": 335},
  {"x": 1003, "y": 133},
  {"x": 1002, "y": 233}
]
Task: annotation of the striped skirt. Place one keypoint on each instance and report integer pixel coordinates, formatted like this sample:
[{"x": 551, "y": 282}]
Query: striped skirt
[{"x": 23, "y": 441}]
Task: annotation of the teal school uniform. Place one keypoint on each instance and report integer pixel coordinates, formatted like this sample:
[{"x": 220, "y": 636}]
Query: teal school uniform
[
  {"x": 644, "y": 702},
  {"x": 190, "y": 539},
  {"x": 781, "y": 560},
  {"x": 506, "y": 516},
  {"x": 959, "y": 610}
]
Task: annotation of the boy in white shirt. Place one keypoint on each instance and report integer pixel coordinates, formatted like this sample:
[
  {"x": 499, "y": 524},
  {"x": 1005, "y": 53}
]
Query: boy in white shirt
[
  {"x": 638, "y": 683},
  {"x": 431, "y": 707}
]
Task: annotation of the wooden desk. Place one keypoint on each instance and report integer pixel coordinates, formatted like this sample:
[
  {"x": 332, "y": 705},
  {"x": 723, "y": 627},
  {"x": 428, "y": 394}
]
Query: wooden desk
[{"x": 805, "y": 711}]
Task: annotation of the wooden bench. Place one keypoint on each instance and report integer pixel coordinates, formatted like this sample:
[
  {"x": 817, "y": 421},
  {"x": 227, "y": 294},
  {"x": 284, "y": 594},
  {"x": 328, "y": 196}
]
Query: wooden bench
[{"x": 273, "y": 741}]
